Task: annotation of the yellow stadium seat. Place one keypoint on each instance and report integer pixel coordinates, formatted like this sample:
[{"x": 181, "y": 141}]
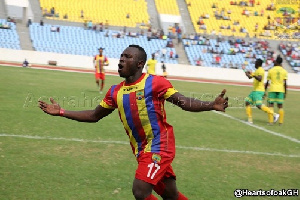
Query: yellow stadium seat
[
  {"x": 167, "y": 7},
  {"x": 198, "y": 8},
  {"x": 97, "y": 11}
]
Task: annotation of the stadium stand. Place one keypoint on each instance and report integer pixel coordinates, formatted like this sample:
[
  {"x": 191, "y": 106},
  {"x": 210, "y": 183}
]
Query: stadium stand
[
  {"x": 8, "y": 35},
  {"x": 98, "y": 11},
  {"x": 80, "y": 41},
  {"x": 233, "y": 53},
  {"x": 167, "y": 7},
  {"x": 291, "y": 53},
  {"x": 238, "y": 18}
]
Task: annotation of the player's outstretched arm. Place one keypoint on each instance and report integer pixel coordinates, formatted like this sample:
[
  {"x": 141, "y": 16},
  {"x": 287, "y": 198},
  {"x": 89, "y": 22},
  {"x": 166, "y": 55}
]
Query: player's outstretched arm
[
  {"x": 195, "y": 105},
  {"x": 82, "y": 116}
]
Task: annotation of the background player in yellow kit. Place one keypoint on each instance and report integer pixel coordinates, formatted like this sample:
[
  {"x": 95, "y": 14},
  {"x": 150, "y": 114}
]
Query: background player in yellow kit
[
  {"x": 257, "y": 95},
  {"x": 151, "y": 63},
  {"x": 277, "y": 91}
]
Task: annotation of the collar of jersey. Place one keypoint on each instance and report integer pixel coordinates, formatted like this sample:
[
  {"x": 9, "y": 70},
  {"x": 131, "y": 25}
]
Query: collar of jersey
[{"x": 137, "y": 81}]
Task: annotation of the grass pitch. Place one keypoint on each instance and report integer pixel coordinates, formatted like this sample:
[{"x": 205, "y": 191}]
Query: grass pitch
[{"x": 45, "y": 157}]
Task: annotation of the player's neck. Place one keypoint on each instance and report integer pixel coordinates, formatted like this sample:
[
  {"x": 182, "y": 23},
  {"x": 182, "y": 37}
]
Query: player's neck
[{"x": 134, "y": 78}]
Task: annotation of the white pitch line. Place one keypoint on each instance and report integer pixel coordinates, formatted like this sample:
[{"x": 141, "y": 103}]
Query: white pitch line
[
  {"x": 123, "y": 142},
  {"x": 259, "y": 127}
]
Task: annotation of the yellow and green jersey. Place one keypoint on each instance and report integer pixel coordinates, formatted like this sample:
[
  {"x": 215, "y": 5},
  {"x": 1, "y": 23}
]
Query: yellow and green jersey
[
  {"x": 151, "y": 66},
  {"x": 259, "y": 85},
  {"x": 277, "y": 75}
]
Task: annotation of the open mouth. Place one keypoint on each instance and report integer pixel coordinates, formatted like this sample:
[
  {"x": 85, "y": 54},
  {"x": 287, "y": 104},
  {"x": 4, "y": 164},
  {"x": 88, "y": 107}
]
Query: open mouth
[{"x": 120, "y": 67}]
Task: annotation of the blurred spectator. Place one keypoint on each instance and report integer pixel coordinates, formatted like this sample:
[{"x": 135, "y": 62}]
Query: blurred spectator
[
  {"x": 106, "y": 24},
  {"x": 53, "y": 29},
  {"x": 213, "y": 32},
  {"x": 26, "y": 63},
  {"x": 163, "y": 51},
  {"x": 41, "y": 23},
  {"x": 170, "y": 44},
  {"x": 171, "y": 54},
  {"x": 29, "y": 22},
  {"x": 256, "y": 27},
  {"x": 90, "y": 25},
  {"x": 203, "y": 27},
  {"x": 163, "y": 67},
  {"x": 218, "y": 59},
  {"x": 52, "y": 11}
]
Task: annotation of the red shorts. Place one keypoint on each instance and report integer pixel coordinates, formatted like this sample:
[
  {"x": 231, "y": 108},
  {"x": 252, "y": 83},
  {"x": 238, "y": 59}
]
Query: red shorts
[
  {"x": 100, "y": 76},
  {"x": 153, "y": 168}
]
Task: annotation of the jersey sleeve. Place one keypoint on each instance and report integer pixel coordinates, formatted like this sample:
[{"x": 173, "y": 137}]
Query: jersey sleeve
[
  {"x": 108, "y": 101},
  {"x": 260, "y": 72},
  {"x": 164, "y": 88}
]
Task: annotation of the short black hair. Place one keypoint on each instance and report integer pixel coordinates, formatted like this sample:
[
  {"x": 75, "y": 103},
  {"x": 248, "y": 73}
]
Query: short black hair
[
  {"x": 143, "y": 54},
  {"x": 278, "y": 60},
  {"x": 260, "y": 61}
]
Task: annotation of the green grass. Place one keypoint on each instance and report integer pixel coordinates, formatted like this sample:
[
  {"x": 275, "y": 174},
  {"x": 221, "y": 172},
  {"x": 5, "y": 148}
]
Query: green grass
[{"x": 68, "y": 169}]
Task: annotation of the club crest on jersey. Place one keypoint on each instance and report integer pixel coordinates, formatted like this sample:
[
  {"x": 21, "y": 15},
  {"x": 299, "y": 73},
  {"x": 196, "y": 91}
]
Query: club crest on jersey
[
  {"x": 156, "y": 158},
  {"x": 139, "y": 95}
]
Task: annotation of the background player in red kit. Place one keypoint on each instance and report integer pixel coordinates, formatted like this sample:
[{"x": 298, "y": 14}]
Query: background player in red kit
[
  {"x": 100, "y": 61},
  {"x": 140, "y": 102}
]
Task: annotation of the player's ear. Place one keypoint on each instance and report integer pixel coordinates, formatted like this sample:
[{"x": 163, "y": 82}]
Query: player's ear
[{"x": 141, "y": 64}]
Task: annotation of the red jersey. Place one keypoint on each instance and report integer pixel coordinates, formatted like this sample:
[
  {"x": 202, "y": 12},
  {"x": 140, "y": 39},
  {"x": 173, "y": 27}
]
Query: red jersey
[{"x": 141, "y": 110}]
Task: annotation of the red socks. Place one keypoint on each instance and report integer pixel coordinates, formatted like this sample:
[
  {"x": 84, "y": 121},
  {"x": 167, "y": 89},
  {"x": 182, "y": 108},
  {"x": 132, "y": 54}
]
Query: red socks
[{"x": 151, "y": 197}]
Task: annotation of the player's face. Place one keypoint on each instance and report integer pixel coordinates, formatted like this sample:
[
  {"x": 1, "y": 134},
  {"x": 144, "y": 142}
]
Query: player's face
[
  {"x": 128, "y": 63},
  {"x": 100, "y": 51}
]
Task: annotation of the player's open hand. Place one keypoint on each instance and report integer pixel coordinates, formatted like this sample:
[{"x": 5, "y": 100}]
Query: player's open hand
[
  {"x": 51, "y": 109},
  {"x": 221, "y": 103}
]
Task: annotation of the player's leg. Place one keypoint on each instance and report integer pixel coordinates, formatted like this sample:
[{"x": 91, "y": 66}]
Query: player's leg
[
  {"x": 271, "y": 101},
  {"x": 102, "y": 84},
  {"x": 102, "y": 77},
  {"x": 166, "y": 187},
  {"x": 261, "y": 106},
  {"x": 281, "y": 113},
  {"x": 171, "y": 192},
  {"x": 248, "y": 102},
  {"x": 280, "y": 99},
  {"x": 142, "y": 190},
  {"x": 97, "y": 77}
]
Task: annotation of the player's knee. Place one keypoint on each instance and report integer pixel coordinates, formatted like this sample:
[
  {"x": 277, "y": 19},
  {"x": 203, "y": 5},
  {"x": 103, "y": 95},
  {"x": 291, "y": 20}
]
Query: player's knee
[
  {"x": 173, "y": 195},
  {"x": 170, "y": 190},
  {"x": 139, "y": 194}
]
